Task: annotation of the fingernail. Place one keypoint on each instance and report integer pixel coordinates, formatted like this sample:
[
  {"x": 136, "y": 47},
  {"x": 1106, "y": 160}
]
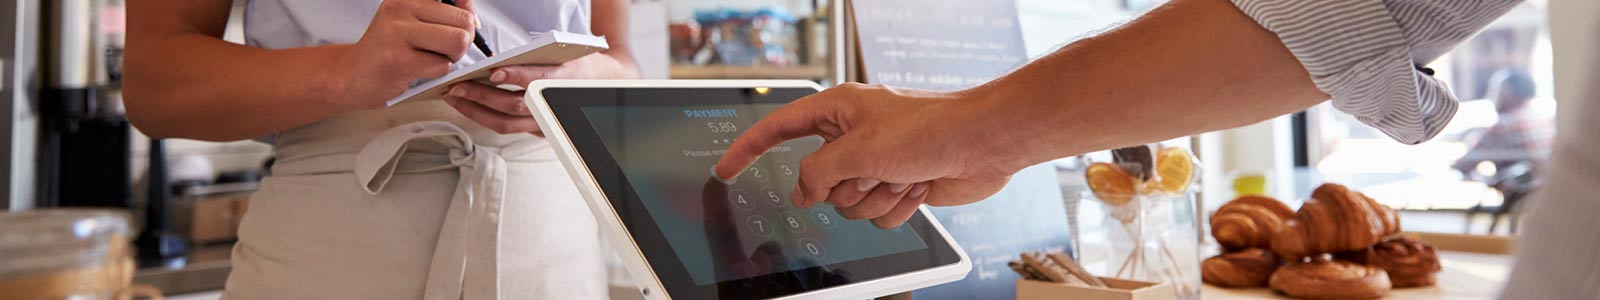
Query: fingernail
[
  {"x": 866, "y": 184},
  {"x": 918, "y": 190},
  {"x": 458, "y": 92},
  {"x": 719, "y": 178},
  {"x": 898, "y": 187},
  {"x": 498, "y": 76}
]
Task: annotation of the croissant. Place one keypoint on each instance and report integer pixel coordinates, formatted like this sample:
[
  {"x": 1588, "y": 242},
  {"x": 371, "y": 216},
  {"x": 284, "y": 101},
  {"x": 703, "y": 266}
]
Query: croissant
[
  {"x": 1245, "y": 268},
  {"x": 1330, "y": 279},
  {"x": 1249, "y": 222},
  {"x": 1410, "y": 262},
  {"x": 1335, "y": 219}
]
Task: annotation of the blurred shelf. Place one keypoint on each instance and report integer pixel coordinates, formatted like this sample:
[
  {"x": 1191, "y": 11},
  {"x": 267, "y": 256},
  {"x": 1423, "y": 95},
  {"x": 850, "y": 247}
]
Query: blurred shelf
[{"x": 748, "y": 72}]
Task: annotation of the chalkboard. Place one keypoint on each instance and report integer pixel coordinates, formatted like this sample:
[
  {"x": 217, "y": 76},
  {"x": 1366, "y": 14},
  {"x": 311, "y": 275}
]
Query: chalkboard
[
  {"x": 936, "y": 44},
  {"x": 949, "y": 45},
  {"x": 1027, "y": 215}
]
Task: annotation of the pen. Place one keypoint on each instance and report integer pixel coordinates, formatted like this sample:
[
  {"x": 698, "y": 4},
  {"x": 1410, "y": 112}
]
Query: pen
[{"x": 477, "y": 38}]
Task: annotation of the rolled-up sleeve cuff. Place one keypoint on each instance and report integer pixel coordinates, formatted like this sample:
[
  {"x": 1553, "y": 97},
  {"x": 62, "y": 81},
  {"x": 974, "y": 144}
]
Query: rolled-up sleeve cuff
[{"x": 1356, "y": 52}]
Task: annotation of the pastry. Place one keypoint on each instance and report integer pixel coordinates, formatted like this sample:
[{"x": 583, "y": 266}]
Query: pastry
[
  {"x": 1245, "y": 268},
  {"x": 1335, "y": 219},
  {"x": 1330, "y": 279},
  {"x": 1410, "y": 262},
  {"x": 1249, "y": 222}
]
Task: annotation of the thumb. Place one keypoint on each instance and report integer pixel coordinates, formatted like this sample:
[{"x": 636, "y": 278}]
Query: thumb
[
  {"x": 521, "y": 75},
  {"x": 829, "y": 166}
]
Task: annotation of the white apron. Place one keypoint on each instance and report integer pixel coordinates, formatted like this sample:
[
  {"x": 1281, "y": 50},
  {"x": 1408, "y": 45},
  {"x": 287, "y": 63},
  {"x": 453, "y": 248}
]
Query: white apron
[
  {"x": 373, "y": 205},
  {"x": 415, "y": 202}
]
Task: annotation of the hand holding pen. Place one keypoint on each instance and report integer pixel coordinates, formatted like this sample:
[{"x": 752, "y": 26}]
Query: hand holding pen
[
  {"x": 477, "y": 37},
  {"x": 407, "y": 40}
]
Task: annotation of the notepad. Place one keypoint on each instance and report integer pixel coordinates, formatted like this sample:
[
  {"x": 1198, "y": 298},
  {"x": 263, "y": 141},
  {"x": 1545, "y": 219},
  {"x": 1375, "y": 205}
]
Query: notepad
[{"x": 548, "y": 48}]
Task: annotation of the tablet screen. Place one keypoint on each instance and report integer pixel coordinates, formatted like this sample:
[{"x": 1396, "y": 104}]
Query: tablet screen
[{"x": 743, "y": 229}]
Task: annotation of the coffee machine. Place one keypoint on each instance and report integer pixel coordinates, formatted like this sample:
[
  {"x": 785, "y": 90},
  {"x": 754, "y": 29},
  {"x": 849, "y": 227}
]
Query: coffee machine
[
  {"x": 84, "y": 142},
  {"x": 85, "y": 139}
]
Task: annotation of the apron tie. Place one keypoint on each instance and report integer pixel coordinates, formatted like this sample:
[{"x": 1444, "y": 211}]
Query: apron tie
[{"x": 465, "y": 256}]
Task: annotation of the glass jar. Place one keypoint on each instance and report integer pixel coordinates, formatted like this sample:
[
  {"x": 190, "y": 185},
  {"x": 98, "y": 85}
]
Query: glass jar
[
  {"x": 1152, "y": 238},
  {"x": 1140, "y": 219},
  {"x": 66, "y": 254}
]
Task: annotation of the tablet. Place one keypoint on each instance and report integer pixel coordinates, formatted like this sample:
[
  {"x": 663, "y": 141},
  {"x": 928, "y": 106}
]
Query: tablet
[{"x": 641, "y": 154}]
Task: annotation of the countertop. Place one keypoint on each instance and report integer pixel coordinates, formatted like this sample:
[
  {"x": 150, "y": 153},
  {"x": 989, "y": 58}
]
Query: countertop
[{"x": 207, "y": 270}]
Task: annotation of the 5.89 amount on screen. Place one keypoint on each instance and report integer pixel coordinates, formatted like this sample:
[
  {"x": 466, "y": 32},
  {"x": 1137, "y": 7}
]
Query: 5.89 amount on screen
[{"x": 722, "y": 127}]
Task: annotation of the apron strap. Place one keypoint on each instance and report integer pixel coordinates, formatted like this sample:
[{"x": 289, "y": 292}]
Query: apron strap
[{"x": 464, "y": 258}]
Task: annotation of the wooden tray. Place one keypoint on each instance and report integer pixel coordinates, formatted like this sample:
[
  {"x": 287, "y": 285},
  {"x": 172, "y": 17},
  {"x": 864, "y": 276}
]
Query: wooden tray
[{"x": 1119, "y": 290}]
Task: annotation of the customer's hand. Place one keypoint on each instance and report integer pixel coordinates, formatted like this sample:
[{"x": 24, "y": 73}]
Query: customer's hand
[
  {"x": 928, "y": 147},
  {"x": 504, "y": 112},
  {"x": 407, "y": 40}
]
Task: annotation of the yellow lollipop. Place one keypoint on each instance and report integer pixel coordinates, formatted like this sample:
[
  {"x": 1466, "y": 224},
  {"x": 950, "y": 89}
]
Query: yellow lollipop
[
  {"x": 1110, "y": 183},
  {"x": 1176, "y": 170}
]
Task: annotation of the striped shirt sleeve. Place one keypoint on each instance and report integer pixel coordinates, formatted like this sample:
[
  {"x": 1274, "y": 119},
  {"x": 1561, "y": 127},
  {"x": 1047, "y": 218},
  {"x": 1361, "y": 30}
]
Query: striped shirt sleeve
[{"x": 1368, "y": 54}]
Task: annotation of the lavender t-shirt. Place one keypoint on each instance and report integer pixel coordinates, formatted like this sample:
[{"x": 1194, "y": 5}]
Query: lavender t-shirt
[
  {"x": 280, "y": 24},
  {"x": 506, "y": 24}
]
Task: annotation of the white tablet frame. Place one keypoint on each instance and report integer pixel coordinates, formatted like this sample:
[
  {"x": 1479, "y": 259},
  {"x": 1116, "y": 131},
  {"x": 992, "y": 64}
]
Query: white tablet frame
[{"x": 629, "y": 251}]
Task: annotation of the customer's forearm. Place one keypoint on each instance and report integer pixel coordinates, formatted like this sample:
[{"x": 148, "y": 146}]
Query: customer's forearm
[
  {"x": 200, "y": 87},
  {"x": 1188, "y": 67}
]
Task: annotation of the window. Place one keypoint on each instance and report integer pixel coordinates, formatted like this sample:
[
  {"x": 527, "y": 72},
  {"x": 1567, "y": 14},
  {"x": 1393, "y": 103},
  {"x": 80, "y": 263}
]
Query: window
[{"x": 1502, "y": 130}]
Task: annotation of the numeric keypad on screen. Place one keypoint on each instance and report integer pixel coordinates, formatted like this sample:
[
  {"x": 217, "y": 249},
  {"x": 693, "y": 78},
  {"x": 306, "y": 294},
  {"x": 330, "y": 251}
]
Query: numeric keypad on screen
[{"x": 770, "y": 182}]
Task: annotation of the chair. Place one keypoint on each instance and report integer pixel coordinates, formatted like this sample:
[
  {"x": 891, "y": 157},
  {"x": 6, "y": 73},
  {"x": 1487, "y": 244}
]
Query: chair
[{"x": 1514, "y": 182}]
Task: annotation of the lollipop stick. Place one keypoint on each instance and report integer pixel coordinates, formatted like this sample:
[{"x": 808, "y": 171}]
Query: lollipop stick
[{"x": 1125, "y": 263}]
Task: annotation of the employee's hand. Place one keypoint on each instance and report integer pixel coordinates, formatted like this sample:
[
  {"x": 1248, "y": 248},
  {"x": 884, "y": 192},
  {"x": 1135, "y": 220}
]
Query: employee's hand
[
  {"x": 407, "y": 40},
  {"x": 504, "y": 112},
  {"x": 888, "y": 150}
]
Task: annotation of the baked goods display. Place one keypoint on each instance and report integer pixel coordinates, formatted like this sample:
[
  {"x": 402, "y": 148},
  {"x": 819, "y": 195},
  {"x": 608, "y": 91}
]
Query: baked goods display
[
  {"x": 1249, "y": 222},
  {"x": 1341, "y": 244},
  {"x": 1335, "y": 219},
  {"x": 1410, "y": 261},
  {"x": 1330, "y": 279},
  {"x": 1247, "y": 268}
]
